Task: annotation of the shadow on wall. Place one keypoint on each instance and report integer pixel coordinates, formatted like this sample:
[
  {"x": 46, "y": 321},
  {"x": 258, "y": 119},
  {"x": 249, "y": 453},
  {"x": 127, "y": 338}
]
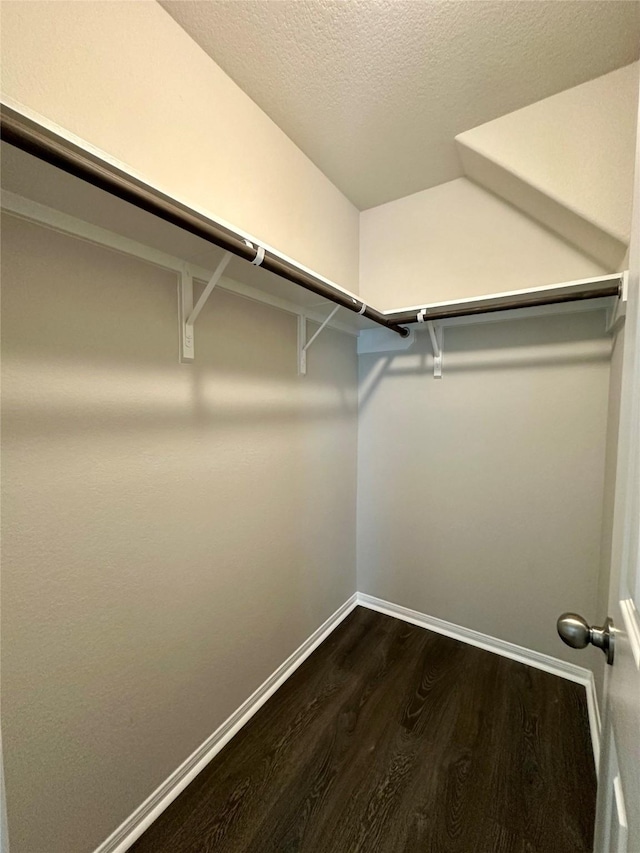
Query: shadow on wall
[
  {"x": 90, "y": 342},
  {"x": 493, "y": 476},
  {"x": 530, "y": 343},
  {"x": 143, "y": 400},
  {"x": 170, "y": 533}
]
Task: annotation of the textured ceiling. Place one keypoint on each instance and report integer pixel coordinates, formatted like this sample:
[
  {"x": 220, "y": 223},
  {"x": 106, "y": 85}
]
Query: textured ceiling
[{"x": 374, "y": 91}]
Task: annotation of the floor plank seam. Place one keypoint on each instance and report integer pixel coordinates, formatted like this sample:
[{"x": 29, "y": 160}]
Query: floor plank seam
[
  {"x": 538, "y": 660},
  {"x": 142, "y": 818},
  {"x": 137, "y": 823}
]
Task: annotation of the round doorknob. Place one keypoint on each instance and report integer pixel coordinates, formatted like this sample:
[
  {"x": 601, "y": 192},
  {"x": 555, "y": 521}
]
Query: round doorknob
[{"x": 576, "y": 632}]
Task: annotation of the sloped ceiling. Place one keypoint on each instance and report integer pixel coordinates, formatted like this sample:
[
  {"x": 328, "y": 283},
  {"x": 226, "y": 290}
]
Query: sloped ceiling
[
  {"x": 567, "y": 161},
  {"x": 374, "y": 91}
]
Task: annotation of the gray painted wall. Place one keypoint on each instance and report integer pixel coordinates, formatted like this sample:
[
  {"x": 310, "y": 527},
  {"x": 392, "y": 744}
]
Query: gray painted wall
[
  {"x": 171, "y": 533},
  {"x": 481, "y": 494}
]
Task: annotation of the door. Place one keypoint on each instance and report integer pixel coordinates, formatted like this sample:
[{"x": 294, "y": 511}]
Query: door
[{"x": 618, "y": 809}]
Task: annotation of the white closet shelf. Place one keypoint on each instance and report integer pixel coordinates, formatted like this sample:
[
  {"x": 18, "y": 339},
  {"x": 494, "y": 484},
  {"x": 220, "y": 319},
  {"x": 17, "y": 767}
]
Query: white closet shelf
[
  {"x": 35, "y": 190},
  {"x": 201, "y": 258},
  {"x": 38, "y": 137},
  {"x": 32, "y": 211},
  {"x": 38, "y": 191},
  {"x": 581, "y": 294}
]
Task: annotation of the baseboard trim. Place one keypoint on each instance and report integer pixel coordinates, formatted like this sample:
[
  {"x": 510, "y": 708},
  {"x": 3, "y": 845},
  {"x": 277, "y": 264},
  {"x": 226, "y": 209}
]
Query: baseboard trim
[
  {"x": 555, "y": 666},
  {"x": 133, "y": 827}
]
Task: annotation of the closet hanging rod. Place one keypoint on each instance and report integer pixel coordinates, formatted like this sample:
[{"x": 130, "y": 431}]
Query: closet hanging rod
[
  {"x": 597, "y": 290},
  {"x": 43, "y": 143}
]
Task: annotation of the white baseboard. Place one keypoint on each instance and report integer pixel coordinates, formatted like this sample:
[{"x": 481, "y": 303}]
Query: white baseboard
[
  {"x": 133, "y": 827},
  {"x": 555, "y": 666}
]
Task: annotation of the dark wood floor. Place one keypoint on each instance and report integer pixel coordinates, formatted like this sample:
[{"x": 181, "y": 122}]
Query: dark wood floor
[{"x": 393, "y": 738}]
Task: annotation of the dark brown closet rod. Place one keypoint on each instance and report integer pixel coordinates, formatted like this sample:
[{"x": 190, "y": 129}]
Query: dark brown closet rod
[
  {"x": 593, "y": 290},
  {"x": 31, "y": 137}
]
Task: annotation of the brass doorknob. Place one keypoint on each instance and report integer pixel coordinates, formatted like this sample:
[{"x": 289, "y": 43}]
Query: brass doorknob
[{"x": 575, "y": 631}]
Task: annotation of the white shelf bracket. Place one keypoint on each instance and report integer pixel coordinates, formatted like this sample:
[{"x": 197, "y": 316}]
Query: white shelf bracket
[
  {"x": 436, "y": 333},
  {"x": 188, "y": 312},
  {"x": 304, "y": 344}
]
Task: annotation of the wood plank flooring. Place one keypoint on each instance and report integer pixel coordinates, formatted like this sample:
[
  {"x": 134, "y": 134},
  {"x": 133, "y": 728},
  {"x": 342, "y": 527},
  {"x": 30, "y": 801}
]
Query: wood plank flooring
[{"x": 391, "y": 738}]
